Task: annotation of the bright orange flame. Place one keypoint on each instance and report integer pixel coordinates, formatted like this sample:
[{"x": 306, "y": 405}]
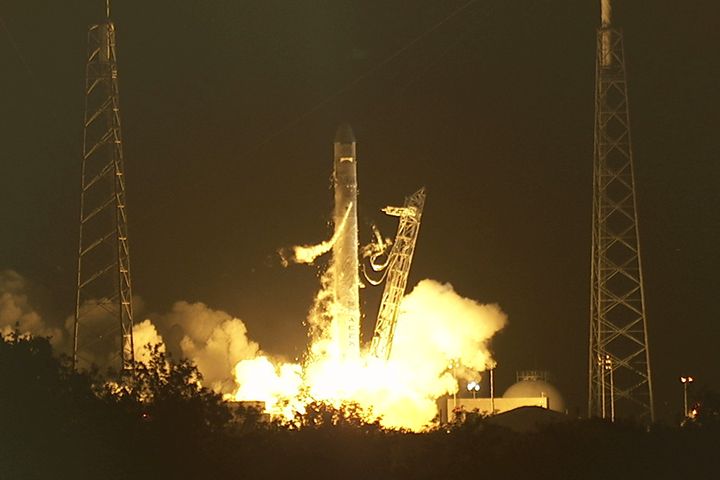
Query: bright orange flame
[{"x": 436, "y": 327}]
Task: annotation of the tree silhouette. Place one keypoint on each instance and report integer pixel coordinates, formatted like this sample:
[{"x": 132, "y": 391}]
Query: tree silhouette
[{"x": 161, "y": 423}]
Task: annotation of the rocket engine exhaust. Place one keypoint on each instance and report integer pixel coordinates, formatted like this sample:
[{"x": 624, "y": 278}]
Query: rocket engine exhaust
[{"x": 345, "y": 265}]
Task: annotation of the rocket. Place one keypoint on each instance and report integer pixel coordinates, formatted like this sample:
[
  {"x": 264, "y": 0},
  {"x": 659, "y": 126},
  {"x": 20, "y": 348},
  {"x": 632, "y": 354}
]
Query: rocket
[{"x": 346, "y": 278}]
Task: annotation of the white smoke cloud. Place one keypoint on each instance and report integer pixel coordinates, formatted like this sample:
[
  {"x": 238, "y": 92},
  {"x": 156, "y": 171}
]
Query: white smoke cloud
[
  {"x": 214, "y": 340},
  {"x": 439, "y": 337},
  {"x": 16, "y": 313},
  {"x": 99, "y": 333},
  {"x": 146, "y": 337},
  {"x": 436, "y": 322},
  {"x": 436, "y": 328}
]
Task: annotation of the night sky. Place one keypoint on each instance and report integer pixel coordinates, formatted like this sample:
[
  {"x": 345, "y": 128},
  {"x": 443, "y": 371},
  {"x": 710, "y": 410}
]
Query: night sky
[{"x": 229, "y": 110}]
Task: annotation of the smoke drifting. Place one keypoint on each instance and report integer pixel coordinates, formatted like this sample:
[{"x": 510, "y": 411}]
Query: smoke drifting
[
  {"x": 145, "y": 336},
  {"x": 440, "y": 337},
  {"x": 213, "y": 339},
  {"x": 102, "y": 334},
  {"x": 435, "y": 321},
  {"x": 308, "y": 253},
  {"x": 16, "y": 313},
  {"x": 436, "y": 328}
]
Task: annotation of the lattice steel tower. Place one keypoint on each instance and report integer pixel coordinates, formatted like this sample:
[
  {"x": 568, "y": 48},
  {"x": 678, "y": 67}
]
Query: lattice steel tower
[
  {"x": 104, "y": 289},
  {"x": 398, "y": 269},
  {"x": 620, "y": 383}
]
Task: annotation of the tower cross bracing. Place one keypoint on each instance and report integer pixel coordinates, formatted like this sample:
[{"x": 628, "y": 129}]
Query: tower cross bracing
[
  {"x": 620, "y": 382},
  {"x": 104, "y": 289}
]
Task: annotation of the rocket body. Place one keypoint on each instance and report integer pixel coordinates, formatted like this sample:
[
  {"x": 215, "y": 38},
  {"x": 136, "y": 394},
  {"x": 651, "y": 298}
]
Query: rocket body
[{"x": 346, "y": 279}]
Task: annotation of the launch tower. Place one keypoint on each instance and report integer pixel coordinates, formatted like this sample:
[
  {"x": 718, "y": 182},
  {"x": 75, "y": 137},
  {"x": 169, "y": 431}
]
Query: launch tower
[
  {"x": 620, "y": 383},
  {"x": 398, "y": 269},
  {"x": 104, "y": 289}
]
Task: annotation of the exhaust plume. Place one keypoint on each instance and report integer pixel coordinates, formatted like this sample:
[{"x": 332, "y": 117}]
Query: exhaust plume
[
  {"x": 214, "y": 340},
  {"x": 436, "y": 328}
]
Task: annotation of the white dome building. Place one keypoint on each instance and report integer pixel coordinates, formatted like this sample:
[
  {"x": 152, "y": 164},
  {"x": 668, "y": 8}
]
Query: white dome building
[{"x": 534, "y": 385}]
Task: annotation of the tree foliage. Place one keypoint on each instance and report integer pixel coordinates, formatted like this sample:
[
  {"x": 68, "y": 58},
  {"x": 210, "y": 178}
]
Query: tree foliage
[
  {"x": 57, "y": 423},
  {"x": 163, "y": 391},
  {"x": 348, "y": 416}
]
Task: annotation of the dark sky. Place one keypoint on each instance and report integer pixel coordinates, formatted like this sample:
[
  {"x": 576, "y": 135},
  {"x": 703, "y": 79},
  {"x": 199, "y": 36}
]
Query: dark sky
[{"x": 229, "y": 110}]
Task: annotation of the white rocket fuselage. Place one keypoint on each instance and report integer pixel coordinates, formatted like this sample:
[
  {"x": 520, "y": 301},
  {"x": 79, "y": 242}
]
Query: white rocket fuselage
[{"x": 345, "y": 250}]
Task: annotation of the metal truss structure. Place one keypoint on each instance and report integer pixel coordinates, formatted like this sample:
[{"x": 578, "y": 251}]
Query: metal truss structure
[
  {"x": 398, "y": 268},
  {"x": 104, "y": 288},
  {"x": 620, "y": 383}
]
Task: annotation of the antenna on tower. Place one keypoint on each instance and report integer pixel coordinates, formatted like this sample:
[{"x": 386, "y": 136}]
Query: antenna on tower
[
  {"x": 605, "y": 33},
  {"x": 620, "y": 382},
  {"x": 605, "y": 12},
  {"x": 107, "y": 9}
]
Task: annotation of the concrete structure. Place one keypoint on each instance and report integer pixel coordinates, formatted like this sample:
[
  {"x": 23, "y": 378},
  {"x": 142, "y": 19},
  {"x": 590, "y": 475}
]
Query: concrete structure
[{"x": 532, "y": 389}]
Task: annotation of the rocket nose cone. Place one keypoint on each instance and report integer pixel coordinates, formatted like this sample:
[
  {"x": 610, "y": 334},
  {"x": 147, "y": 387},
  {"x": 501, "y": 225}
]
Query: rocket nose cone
[{"x": 344, "y": 134}]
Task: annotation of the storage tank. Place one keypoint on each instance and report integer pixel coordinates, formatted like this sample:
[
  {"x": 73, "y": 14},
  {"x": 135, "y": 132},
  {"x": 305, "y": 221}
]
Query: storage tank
[{"x": 535, "y": 384}]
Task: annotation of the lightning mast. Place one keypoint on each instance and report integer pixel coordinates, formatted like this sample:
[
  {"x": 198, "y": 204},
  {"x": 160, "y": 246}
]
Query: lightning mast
[
  {"x": 398, "y": 268},
  {"x": 620, "y": 383},
  {"x": 104, "y": 288}
]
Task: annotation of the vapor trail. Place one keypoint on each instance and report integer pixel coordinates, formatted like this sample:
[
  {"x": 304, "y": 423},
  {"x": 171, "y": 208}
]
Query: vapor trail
[{"x": 308, "y": 253}]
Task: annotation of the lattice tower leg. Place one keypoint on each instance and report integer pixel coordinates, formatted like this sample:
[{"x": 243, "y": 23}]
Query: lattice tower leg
[
  {"x": 104, "y": 287},
  {"x": 620, "y": 382}
]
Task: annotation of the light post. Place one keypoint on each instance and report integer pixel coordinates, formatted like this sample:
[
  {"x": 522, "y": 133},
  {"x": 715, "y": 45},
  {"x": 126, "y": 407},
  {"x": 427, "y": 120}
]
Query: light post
[
  {"x": 454, "y": 363},
  {"x": 473, "y": 387},
  {"x": 609, "y": 367},
  {"x": 686, "y": 381},
  {"x": 492, "y": 391}
]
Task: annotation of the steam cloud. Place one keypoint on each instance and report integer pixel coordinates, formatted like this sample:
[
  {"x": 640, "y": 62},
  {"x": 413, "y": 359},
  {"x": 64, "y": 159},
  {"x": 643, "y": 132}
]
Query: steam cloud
[
  {"x": 436, "y": 328},
  {"x": 213, "y": 339},
  {"x": 16, "y": 313},
  {"x": 145, "y": 336}
]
